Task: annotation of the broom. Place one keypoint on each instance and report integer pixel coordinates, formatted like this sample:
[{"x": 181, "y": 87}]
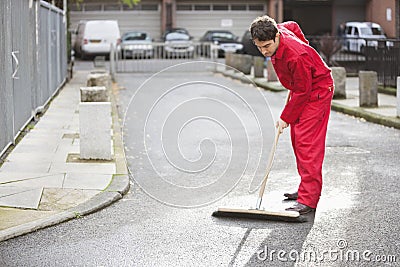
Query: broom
[{"x": 257, "y": 212}]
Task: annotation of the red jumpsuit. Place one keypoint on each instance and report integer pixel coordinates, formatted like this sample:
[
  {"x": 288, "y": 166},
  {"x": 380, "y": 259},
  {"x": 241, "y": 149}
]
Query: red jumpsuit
[{"x": 301, "y": 70}]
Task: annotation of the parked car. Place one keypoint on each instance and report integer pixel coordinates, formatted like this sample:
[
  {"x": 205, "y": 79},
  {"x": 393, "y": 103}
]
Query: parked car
[
  {"x": 178, "y": 45},
  {"x": 136, "y": 44},
  {"x": 248, "y": 46},
  {"x": 225, "y": 40},
  {"x": 181, "y": 30},
  {"x": 94, "y": 37},
  {"x": 358, "y": 35}
]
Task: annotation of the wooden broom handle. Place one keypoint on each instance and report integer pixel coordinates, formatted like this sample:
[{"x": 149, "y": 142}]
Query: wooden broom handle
[{"x": 271, "y": 155}]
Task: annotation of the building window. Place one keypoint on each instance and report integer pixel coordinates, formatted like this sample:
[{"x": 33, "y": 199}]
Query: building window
[
  {"x": 150, "y": 7},
  {"x": 126, "y": 7},
  {"x": 220, "y": 7},
  {"x": 75, "y": 7},
  {"x": 184, "y": 7},
  {"x": 238, "y": 7},
  {"x": 111, "y": 7},
  {"x": 256, "y": 7},
  {"x": 202, "y": 7},
  {"x": 93, "y": 8}
]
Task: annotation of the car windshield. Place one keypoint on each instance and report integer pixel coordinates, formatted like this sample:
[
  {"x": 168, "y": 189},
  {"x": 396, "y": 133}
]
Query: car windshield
[
  {"x": 177, "y": 36},
  {"x": 371, "y": 31},
  {"x": 377, "y": 31},
  {"x": 222, "y": 36},
  {"x": 136, "y": 36},
  {"x": 181, "y": 30}
]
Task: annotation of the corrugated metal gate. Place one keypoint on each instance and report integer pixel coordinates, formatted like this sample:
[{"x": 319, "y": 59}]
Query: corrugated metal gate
[
  {"x": 21, "y": 46},
  {"x": 34, "y": 62},
  {"x": 145, "y": 16},
  {"x": 235, "y": 15}
]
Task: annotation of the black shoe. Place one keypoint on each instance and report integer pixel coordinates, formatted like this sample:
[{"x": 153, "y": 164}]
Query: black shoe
[
  {"x": 291, "y": 196},
  {"x": 300, "y": 208}
]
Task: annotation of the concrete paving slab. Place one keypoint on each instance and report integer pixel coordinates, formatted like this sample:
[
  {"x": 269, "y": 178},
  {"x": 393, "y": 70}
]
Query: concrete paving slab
[
  {"x": 28, "y": 147},
  {"x": 20, "y": 197},
  {"x": 60, "y": 116},
  {"x": 62, "y": 153},
  {"x": 76, "y": 143},
  {"x": 388, "y": 111},
  {"x": 34, "y": 137},
  {"x": 37, "y": 132},
  {"x": 386, "y": 101},
  {"x": 64, "y": 142},
  {"x": 41, "y": 167},
  {"x": 33, "y": 157},
  {"x": 18, "y": 176},
  {"x": 54, "y": 199},
  {"x": 87, "y": 181},
  {"x": 46, "y": 180},
  {"x": 51, "y": 124},
  {"x": 350, "y": 102},
  {"x": 103, "y": 168},
  {"x": 11, "y": 217}
]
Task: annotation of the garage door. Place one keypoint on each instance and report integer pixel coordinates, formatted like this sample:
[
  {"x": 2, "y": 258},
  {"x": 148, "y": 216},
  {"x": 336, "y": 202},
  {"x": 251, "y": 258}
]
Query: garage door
[
  {"x": 235, "y": 16},
  {"x": 144, "y": 16}
]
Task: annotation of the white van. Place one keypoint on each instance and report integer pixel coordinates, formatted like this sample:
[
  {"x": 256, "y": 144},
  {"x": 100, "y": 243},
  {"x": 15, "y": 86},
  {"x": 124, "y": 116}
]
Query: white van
[
  {"x": 94, "y": 37},
  {"x": 357, "y": 34}
]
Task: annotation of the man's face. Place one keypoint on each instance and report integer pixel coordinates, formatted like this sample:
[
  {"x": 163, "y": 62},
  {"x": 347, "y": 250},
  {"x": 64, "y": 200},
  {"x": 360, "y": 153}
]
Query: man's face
[{"x": 268, "y": 48}]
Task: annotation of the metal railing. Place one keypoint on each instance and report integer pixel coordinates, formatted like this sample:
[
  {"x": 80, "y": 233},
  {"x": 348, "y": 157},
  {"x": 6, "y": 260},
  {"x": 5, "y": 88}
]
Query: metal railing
[
  {"x": 34, "y": 62},
  {"x": 155, "y": 56},
  {"x": 355, "y": 54},
  {"x": 385, "y": 60}
]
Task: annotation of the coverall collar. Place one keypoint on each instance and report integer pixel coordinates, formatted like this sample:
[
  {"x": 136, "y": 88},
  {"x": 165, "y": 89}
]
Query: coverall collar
[{"x": 279, "y": 51}]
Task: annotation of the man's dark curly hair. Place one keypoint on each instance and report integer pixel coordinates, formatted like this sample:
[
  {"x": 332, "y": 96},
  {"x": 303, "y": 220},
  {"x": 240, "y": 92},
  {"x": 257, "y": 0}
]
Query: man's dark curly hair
[{"x": 263, "y": 28}]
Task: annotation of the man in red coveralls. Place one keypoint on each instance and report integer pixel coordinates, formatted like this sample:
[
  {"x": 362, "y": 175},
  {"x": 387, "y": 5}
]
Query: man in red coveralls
[{"x": 302, "y": 71}]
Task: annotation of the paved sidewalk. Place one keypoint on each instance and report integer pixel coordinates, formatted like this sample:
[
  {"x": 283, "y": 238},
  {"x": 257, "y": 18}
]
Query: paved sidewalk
[
  {"x": 384, "y": 114},
  {"x": 43, "y": 182}
]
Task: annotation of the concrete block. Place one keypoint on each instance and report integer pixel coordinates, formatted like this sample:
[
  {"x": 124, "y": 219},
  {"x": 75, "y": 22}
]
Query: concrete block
[
  {"x": 271, "y": 74},
  {"x": 368, "y": 88},
  {"x": 228, "y": 61},
  {"x": 99, "y": 78},
  {"x": 258, "y": 64},
  {"x": 339, "y": 78},
  {"x": 233, "y": 61},
  {"x": 94, "y": 94},
  {"x": 398, "y": 96},
  {"x": 245, "y": 63},
  {"x": 95, "y": 130}
]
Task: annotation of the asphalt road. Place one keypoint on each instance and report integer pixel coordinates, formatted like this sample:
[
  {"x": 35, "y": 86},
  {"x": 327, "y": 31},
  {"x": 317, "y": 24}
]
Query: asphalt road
[{"x": 195, "y": 142}]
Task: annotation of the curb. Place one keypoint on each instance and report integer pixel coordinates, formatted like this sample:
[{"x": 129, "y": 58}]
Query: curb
[
  {"x": 368, "y": 116},
  {"x": 118, "y": 186},
  {"x": 94, "y": 204},
  {"x": 352, "y": 111},
  {"x": 114, "y": 192},
  {"x": 275, "y": 87}
]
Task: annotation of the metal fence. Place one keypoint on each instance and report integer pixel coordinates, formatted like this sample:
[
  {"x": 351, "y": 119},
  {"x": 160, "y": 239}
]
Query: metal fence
[
  {"x": 33, "y": 62},
  {"x": 355, "y": 54},
  {"x": 156, "y": 56},
  {"x": 385, "y": 60}
]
